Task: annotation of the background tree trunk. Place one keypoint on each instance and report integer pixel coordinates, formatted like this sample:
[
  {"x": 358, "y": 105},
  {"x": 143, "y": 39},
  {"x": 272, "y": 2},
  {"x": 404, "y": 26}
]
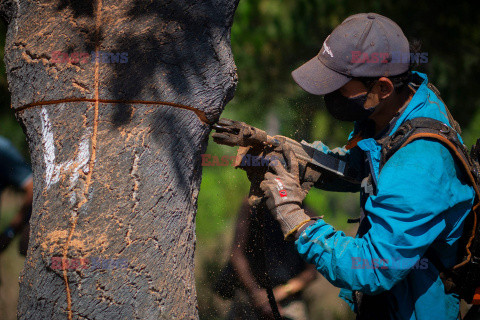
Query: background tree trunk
[{"x": 116, "y": 181}]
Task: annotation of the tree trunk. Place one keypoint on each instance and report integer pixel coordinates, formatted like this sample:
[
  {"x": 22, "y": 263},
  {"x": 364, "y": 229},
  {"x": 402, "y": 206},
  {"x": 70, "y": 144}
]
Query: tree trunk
[{"x": 116, "y": 178}]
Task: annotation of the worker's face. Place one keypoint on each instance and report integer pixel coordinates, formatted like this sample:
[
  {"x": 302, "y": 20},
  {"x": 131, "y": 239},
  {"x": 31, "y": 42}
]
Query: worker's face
[
  {"x": 347, "y": 103},
  {"x": 381, "y": 90},
  {"x": 356, "y": 102}
]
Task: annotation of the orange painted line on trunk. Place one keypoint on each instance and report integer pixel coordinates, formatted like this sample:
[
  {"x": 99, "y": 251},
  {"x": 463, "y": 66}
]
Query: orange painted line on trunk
[
  {"x": 200, "y": 114},
  {"x": 91, "y": 161},
  {"x": 91, "y": 164}
]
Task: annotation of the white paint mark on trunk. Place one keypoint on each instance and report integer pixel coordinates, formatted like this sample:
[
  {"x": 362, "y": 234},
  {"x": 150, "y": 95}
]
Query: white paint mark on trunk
[
  {"x": 54, "y": 170},
  {"x": 80, "y": 163},
  {"x": 51, "y": 172}
]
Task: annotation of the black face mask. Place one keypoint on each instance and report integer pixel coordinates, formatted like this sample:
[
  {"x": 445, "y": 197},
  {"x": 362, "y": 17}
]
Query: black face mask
[{"x": 347, "y": 109}]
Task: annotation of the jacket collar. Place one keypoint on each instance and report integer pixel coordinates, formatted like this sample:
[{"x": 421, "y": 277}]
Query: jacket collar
[{"x": 418, "y": 101}]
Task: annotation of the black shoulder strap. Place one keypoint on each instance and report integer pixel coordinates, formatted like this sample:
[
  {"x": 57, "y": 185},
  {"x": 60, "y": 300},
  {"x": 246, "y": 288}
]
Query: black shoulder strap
[{"x": 422, "y": 128}]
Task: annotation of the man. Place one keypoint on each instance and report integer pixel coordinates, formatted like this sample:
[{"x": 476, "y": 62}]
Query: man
[
  {"x": 417, "y": 202},
  {"x": 289, "y": 274},
  {"x": 16, "y": 173}
]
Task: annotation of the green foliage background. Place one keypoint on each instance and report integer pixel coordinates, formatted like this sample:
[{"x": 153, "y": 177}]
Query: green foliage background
[{"x": 270, "y": 38}]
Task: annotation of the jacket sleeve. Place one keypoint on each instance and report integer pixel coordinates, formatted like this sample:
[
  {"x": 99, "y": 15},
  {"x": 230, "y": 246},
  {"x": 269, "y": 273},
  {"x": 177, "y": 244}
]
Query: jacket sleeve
[
  {"x": 417, "y": 188},
  {"x": 353, "y": 157}
]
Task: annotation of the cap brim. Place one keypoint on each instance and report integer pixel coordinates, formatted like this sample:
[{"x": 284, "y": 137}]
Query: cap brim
[{"x": 315, "y": 78}]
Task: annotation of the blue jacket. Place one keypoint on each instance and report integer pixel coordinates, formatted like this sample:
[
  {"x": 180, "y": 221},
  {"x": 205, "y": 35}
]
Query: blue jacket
[{"x": 422, "y": 199}]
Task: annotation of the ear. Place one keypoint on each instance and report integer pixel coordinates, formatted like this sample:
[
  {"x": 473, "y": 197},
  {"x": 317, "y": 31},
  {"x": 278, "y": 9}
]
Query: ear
[{"x": 384, "y": 88}]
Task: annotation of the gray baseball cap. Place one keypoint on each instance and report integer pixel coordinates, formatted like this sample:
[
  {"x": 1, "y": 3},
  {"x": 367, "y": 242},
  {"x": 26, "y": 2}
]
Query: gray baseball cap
[{"x": 361, "y": 46}]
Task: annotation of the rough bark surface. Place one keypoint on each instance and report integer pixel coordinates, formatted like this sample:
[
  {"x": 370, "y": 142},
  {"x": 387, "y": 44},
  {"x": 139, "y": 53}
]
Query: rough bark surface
[{"x": 116, "y": 181}]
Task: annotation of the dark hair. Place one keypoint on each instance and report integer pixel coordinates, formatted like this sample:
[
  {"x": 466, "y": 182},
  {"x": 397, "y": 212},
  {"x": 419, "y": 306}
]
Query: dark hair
[{"x": 399, "y": 81}]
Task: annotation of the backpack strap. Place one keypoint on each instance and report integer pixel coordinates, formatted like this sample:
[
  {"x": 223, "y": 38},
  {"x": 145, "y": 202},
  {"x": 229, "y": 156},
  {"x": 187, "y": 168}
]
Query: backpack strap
[{"x": 427, "y": 128}]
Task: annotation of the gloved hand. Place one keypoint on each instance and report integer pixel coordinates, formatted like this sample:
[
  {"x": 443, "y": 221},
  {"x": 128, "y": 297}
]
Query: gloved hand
[
  {"x": 237, "y": 133},
  {"x": 285, "y": 195}
]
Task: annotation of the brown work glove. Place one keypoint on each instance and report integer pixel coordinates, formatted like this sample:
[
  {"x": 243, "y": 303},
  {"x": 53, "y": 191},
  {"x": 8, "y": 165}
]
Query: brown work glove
[
  {"x": 285, "y": 195},
  {"x": 236, "y": 133}
]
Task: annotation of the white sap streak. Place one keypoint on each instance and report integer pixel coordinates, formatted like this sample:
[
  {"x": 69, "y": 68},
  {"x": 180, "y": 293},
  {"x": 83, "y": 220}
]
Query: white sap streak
[{"x": 54, "y": 170}]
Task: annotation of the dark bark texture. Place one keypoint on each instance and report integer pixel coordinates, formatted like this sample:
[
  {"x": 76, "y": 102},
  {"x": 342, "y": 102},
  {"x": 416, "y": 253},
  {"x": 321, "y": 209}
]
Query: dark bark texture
[{"x": 116, "y": 181}]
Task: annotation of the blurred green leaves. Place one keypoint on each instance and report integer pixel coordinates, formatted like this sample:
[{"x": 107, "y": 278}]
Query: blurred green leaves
[{"x": 270, "y": 38}]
